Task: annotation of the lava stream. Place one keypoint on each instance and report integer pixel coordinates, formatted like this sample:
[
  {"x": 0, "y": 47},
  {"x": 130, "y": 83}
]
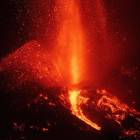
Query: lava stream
[{"x": 76, "y": 110}]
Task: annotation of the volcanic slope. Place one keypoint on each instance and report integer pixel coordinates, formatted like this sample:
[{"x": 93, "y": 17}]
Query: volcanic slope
[{"x": 30, "y": 63}]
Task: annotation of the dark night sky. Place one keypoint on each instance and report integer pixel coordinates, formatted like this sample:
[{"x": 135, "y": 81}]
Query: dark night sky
[{"x": 22, "y": 21}]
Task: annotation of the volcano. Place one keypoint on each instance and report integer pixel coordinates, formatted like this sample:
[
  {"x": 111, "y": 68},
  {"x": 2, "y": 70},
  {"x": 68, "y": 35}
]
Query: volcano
[
  {"x": 35, "y": 106},
  {"x": 73, "y": 86}
]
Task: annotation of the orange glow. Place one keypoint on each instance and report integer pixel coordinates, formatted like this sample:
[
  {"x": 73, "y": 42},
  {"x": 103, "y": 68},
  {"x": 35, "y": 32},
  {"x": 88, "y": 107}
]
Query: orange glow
[
  {"x": 70, "y": 42},
  {"x": 33, "y": 65},
  {"x": 100, "y": 101},
  {"x": 45, "y": 129},
  {"x": 76, "y": 100}
]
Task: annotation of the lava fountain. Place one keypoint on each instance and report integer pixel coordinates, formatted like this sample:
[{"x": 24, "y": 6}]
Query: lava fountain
[{"x": 70, "y": 43}]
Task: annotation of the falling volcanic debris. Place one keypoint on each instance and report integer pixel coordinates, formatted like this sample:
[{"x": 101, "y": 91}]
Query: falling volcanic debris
[{"x": 48, "y": 86}]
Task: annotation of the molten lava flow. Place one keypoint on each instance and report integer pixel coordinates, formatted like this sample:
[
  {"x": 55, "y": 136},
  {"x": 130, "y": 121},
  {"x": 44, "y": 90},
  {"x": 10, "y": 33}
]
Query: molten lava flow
[
  {"x": 70, "y": 42},
  {"x": 118, "y": 110},
  {"x": 108, "y": 106},
  {"x": 76, "y": 100}
]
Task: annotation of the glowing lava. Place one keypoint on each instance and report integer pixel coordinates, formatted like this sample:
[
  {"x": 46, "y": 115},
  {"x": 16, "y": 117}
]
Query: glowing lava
[
  {"x": 102, "y": 102},
  {"x": 76, "y": 100},
  {"x": 70, "y": 42}
]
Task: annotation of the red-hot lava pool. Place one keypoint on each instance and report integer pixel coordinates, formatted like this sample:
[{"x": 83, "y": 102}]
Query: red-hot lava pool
[{"x": 78, "y": 88}]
